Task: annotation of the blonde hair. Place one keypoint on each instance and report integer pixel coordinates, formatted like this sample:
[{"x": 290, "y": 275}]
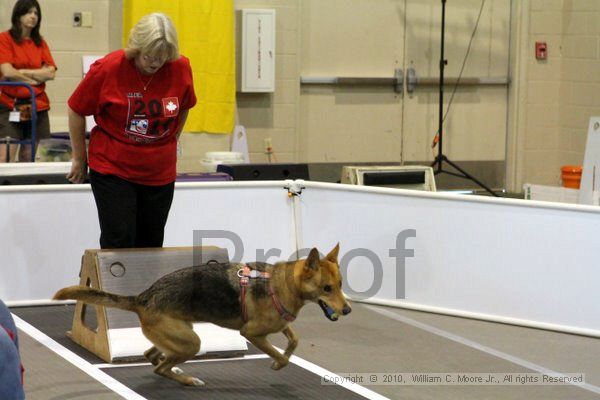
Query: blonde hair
[{"x": 153, "y": 35}]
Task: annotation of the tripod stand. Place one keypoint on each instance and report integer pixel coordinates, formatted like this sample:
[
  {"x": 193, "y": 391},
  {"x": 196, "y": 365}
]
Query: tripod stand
[{"x": 441, "y": 158}]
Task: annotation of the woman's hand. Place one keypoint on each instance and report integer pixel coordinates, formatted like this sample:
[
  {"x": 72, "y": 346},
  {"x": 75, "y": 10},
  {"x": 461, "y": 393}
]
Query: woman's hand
[
  {"x": 30, "y": 80},
  {"x": 78, "y": 172},
  {"x": 77, "y": 134}
]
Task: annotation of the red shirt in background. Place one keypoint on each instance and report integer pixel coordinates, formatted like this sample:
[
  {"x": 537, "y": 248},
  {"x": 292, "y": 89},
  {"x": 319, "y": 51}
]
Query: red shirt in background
[
  {"x": 25, "y": 55},
  {"x": 135, "y": 136}
]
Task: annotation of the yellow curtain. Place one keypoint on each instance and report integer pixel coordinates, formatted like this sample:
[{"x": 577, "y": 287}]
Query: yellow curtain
[{"x": 206, "y": 37}]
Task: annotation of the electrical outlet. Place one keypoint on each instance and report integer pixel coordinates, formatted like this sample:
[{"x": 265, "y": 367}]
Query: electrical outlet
[
  {"x": 76, "y": 19},
  {"x": 268, "y": 145}
]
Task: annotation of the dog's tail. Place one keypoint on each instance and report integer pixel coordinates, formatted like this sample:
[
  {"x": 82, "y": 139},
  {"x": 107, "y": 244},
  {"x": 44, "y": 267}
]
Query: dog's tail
[{"x": 94, "y": 296}]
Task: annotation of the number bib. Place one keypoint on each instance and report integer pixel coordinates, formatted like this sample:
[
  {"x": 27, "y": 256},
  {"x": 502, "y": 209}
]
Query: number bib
[{"x": 151, "y": 120}]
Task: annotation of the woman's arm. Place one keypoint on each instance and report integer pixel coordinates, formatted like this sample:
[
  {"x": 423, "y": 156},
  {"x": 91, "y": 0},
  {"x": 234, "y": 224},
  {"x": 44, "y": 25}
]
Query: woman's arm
[
  {"x": 11, "y": 74},
  {"x": 183, "y": 117},
  {"x": 41, "y": 75},
  {"x": 78, "y": 171}
]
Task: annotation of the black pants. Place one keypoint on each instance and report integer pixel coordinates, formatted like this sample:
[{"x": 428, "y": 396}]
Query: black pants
[{"x": 131, "y": 215}]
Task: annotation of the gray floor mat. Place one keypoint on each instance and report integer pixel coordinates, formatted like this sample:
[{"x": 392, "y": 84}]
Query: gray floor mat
[
  {"x": 249, "y": 379},
  {"x": 55, "y": 321},
  {"x": 229, "y": 379}
]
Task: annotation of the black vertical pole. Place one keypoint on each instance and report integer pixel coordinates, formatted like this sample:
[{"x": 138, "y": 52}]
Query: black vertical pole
[
  {"x": 440, "y": 158},
  {"x": 441, "y": 110}
]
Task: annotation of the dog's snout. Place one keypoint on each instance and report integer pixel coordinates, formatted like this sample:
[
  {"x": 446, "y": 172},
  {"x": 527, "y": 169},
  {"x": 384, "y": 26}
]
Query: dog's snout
[{"x": 347, "y": 310}]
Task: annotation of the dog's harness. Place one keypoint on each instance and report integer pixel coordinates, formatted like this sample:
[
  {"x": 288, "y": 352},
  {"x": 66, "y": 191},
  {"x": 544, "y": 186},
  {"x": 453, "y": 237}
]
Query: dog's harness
[{"x": 245, "y": 274}]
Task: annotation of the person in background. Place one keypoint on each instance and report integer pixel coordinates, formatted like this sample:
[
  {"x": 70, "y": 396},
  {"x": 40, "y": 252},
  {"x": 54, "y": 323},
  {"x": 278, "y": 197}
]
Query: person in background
[
  {"x": 139, "y": 97},
  {"x": 24, "y": 57},
  {"x": 11, "y": 370}
]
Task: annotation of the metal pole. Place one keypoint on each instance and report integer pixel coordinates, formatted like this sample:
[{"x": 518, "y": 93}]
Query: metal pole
[{"x": 441, "y": 110}]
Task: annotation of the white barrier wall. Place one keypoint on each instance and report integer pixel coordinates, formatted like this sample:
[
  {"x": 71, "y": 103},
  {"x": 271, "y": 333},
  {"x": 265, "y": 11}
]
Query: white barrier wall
[
  {"x": 259, "y": 213},
  {"x": 521, "y": 262},
  {"x": 43, "y": 232},
  {"x": 513, "y": 261},
  {"x": 46, "y": 228}
]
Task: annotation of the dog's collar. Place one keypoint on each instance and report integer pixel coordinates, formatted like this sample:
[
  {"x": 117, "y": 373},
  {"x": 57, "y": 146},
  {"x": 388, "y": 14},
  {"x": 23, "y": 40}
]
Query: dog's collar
[{"x": 245, "y": 274}]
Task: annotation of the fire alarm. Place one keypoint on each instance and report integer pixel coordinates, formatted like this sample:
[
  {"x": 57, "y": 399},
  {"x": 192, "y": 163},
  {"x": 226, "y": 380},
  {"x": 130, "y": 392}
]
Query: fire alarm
[{"x": 541, "y": 51}]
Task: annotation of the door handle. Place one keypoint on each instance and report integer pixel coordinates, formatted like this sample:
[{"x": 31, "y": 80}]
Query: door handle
[
  {"x": 399, "y": 85},
  {"x": 412, "y": 80},
  {"x": 396, "y": 82}
]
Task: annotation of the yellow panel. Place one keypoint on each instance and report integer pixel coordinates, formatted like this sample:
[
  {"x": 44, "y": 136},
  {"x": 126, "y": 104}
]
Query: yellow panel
[{"x": 206, "y": 37}]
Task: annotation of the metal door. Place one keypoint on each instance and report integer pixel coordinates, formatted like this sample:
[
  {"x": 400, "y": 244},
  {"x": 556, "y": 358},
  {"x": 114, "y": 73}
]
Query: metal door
[
  {"x": 352, "y": 120},
  {"x": 370, "y": 80}
]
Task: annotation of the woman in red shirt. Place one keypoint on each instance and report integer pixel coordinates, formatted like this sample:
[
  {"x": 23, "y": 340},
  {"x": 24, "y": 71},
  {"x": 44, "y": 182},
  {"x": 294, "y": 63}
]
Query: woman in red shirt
[
  {"x": 139, "y": 97},
  {"x": 24, "y": 57}
]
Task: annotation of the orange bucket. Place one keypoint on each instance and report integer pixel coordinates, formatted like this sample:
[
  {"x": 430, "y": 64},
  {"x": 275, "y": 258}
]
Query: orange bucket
[{"x": 571, "y": 176}]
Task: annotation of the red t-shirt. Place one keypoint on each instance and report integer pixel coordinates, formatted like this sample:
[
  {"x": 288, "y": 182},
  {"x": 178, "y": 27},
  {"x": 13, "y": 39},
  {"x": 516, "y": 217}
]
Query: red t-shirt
[
  {"x": 135, "y": 136},
  {"x": 25, "y": 55}
]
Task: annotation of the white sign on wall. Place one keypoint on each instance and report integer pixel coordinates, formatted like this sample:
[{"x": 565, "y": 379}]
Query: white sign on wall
[
  {"x": 257, "y": 72},
  {"x": 590, "y": 179},
  {"x": 239, "y": 142}
]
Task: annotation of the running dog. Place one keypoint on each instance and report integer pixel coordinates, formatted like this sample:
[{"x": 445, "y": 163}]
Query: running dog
[{"x": 256, "y": 298}]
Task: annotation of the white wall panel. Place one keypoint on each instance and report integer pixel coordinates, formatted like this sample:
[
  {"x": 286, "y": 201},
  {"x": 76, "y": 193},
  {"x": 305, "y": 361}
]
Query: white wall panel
[
  {"x": 513, "y": 261},
  {"x": 45, "y": 229},
  {"x": 259, "y": 213},
  {"x": 43, "y": 232}
]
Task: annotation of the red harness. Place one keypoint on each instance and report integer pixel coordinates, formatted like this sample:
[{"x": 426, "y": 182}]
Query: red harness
[{"x": 245, "y": 275}]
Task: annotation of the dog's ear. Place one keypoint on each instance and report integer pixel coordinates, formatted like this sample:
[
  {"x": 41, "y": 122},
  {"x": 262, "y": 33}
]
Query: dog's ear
[
  {"x": 333, "y": 254},
  {"x": 312, "y": 261}
]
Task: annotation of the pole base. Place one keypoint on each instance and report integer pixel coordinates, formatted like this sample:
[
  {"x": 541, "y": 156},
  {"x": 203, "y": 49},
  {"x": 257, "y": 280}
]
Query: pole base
[{"x": 438, "y": 168}]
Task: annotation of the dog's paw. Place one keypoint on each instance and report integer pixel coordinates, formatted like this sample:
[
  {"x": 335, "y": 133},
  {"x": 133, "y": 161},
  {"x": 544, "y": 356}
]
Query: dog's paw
[
  {"x": 277, "y": 365},
  {"x": 177, "y": 370},
  {"x": 195, "y": 382}
]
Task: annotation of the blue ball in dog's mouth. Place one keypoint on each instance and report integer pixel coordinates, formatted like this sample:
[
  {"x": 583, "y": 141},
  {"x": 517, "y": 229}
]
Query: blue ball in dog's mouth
[{"x": 328, "y": 311}]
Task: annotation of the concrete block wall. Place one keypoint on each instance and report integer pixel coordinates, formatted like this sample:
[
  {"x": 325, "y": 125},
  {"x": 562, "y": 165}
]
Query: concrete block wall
[
  {"x": 552, "y": 106},
  {"x": 275, "y": 115},
  {"x": 562, "y": 92},
  {"x": 265, "y": 115},
  {"x": 580, "y": 76},
  {"x": 69, "y": 44}
]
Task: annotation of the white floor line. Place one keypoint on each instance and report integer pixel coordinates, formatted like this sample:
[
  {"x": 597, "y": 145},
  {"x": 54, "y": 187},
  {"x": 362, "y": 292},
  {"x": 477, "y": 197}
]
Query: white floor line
[
  {"x": 322, "y": 372},
  {"x": 144, "y": 364},
  {"x": 479, "y": 346},
  {"x": 117, "y": 387},
  {"x": 77, "y": 361}
]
